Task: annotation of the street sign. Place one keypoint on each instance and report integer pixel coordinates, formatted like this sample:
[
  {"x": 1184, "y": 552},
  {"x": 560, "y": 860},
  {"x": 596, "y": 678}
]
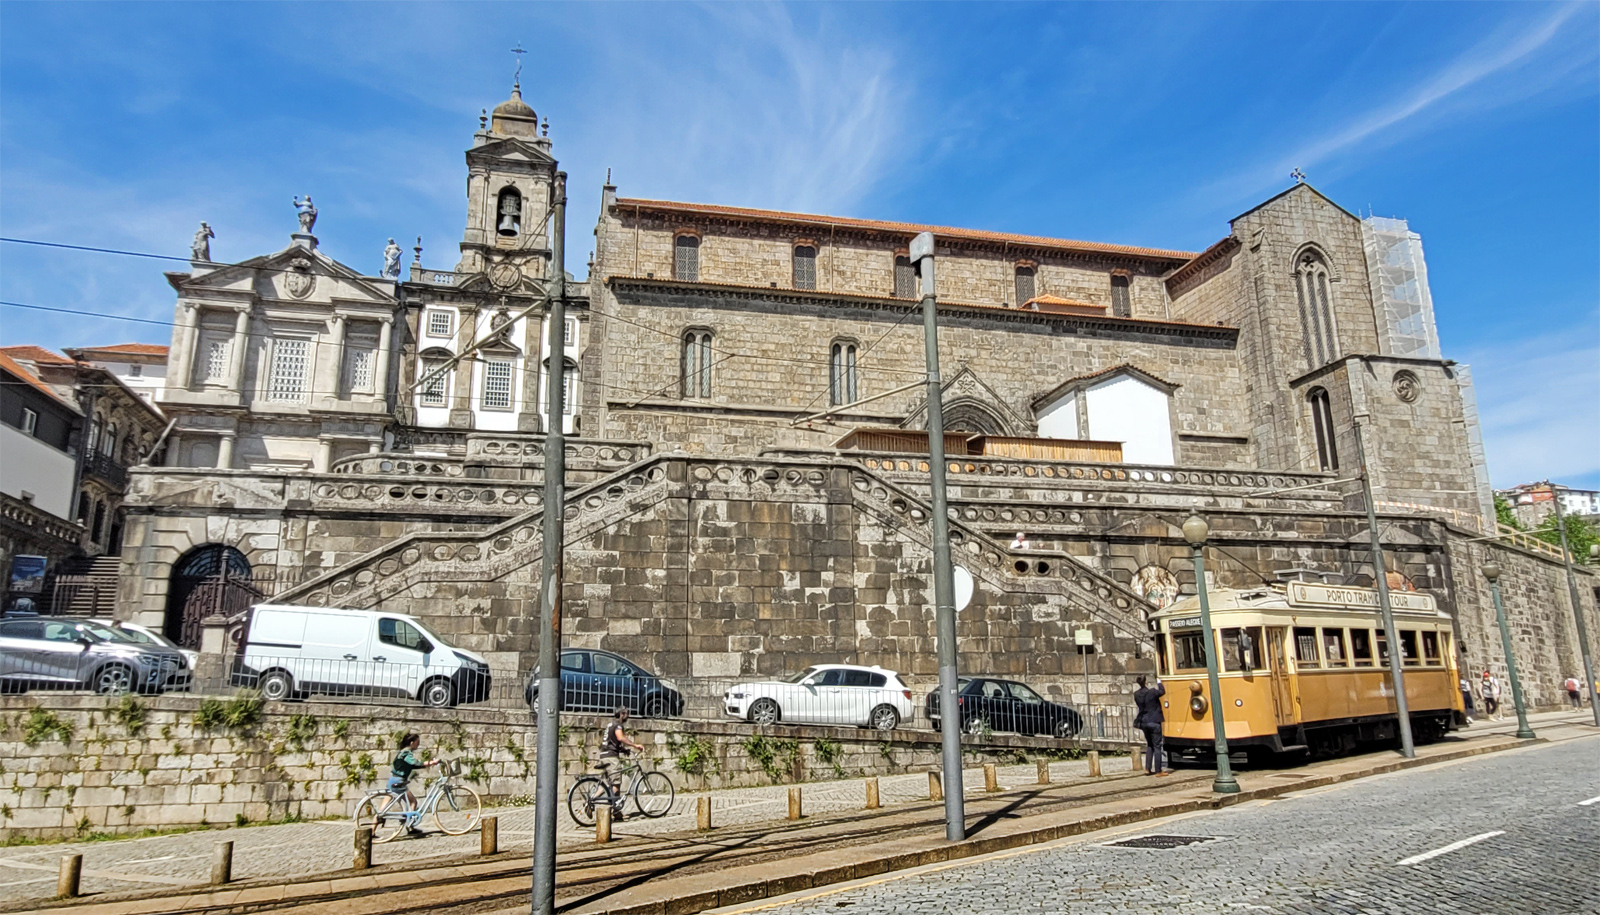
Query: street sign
[{"x": 1083, "y": 638}]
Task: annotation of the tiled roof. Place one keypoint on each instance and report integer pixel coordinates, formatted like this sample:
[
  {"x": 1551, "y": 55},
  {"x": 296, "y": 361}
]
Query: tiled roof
[
  {"x": 906, "y": 228},
  {"x": 127, "y": 349},
  {"x": 18, "y": 369},
  {"x": 1055, "y": 303},
  {"x": 31, "y": 353}
]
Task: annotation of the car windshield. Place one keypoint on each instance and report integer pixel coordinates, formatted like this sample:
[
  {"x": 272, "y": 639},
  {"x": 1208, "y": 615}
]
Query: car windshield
[
  {"x": 800, "y": 676},
  {"x": 106, "y": 634},
  {"x": 134, "y": 635}
]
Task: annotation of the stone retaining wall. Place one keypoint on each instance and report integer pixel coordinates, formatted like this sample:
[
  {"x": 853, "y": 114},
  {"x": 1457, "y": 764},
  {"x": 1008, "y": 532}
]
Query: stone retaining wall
[{"x": 76, "y": 765}]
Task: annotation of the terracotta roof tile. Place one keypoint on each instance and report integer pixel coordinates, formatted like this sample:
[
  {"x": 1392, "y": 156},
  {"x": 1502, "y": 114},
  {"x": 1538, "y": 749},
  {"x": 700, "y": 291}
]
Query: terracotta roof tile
[
  {"x": 906, "y": 228},
  {"x": 127, "y": 349},
  {"x": 31, "y": 353},
  {"x": 18, "y": 369}
]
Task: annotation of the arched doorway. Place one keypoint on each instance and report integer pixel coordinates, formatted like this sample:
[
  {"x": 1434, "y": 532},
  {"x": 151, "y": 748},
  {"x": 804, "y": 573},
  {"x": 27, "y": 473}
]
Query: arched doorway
[{"x": 201, "y": 584}]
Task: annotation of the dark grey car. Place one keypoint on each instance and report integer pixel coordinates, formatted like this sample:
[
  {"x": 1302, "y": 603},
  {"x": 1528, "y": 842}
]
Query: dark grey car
[{"x": 49, "y": 653}]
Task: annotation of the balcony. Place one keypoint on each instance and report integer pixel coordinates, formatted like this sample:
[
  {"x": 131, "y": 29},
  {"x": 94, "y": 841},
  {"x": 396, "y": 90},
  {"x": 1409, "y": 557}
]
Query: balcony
[{"x": 107, "y": 469}]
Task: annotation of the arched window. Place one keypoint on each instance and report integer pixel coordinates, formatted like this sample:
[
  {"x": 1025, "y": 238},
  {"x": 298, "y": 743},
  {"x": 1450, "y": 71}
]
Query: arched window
[
  {"x": 99, "y": 523},
  {"x": 509, "y": 213},
  {"x": 1025, "y": 285},
  {"x": 842, "y": 374},
  {"x": 686, "y": 258},
  {"x": 1322, "y": 423},
  {"x": 108, "y": 442},
  {"x": 1316, "y": 309},
  {"x": 696, "y": 364},
  {"x": 905, "y": 278},
  {"x": 1121, "y": 301},
  {"x": 805, "y": 267}
]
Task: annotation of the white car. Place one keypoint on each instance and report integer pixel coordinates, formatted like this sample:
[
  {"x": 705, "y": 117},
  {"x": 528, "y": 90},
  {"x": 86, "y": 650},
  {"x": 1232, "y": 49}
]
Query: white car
[{"x": 824, "y": 694}]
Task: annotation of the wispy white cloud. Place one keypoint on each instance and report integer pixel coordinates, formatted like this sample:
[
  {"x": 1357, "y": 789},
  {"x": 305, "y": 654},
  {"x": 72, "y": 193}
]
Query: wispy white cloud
[{"x": 1536, "y": 402}]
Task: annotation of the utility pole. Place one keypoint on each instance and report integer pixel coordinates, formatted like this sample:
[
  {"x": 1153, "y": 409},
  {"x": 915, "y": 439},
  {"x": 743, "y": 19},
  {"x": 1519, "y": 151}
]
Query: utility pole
[
  {"x": 1577, "y": 608},
  {"x": 944, "y": 586},
  {"x": 1380, "y": 576},
  {"x": 548, "y": 709},
  {"x": 1195, "y": 530}
]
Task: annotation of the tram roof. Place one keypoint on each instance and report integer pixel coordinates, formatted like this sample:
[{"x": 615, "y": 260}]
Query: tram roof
[{"x": 1320, "y": 599}]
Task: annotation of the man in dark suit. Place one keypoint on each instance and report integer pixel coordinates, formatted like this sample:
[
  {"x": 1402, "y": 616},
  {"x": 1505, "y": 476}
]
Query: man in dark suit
[{"x": 1150, "y": 720}]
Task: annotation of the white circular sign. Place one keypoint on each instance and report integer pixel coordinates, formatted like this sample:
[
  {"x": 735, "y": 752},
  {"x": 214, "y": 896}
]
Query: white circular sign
[{"x": 964, "y": 588}]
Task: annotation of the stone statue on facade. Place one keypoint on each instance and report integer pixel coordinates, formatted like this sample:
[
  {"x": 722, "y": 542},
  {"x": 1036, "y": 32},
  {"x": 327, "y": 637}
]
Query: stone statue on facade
[
  {"x": 391, "y": 261},
  {"x": 200, "y": 248},
  {"x": 307, "y": 213}
]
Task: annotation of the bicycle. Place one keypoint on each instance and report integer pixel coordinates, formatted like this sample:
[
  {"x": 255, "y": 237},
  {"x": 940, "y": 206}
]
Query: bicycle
[
  {"x": 652, "y": 793},
  {"x": 456, "y": 808}
]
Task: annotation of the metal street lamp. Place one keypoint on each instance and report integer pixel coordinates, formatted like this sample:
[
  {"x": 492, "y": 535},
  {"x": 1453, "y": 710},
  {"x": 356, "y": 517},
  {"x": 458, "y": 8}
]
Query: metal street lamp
[
  {"x": 1195, "y": 531},
  {"x": 1491, "y": 571}
]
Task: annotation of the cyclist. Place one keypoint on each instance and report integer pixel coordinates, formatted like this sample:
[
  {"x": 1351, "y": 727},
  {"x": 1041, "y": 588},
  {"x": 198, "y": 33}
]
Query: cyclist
[
  {"x": 614, "y": 745},
  {"x": 405, "y": 763}
]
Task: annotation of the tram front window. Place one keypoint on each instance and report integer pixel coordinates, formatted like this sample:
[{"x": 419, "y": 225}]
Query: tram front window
[
  {"x": 1188, "y": 651},
  {"x": 1241, "y": 649},
  {"x": 1333, "y": 647},
  {"x": 1361, "y": 647},
  {"x": 1163, "y": 663},
  {"x": 1430, "y": 649}
]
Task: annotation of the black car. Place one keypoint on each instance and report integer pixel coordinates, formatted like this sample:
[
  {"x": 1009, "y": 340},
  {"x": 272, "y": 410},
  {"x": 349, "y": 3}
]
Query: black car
[
  {"x": 1006, "y": 705},
  {"x": 599, "y": 681}
]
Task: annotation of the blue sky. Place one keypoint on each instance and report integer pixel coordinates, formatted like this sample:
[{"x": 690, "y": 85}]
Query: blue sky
[{"x": 124, "y": 125}]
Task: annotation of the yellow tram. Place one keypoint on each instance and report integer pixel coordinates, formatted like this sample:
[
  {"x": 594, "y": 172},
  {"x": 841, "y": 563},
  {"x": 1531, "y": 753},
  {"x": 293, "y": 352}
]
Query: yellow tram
[{"x": 1304, "y": 667}]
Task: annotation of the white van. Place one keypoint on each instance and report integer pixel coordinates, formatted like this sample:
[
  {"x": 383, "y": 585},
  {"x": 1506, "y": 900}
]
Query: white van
[{"x": 291, "y": 652}]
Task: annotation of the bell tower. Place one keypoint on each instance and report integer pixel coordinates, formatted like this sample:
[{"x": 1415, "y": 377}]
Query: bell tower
[{"x": 510, "y": 172}]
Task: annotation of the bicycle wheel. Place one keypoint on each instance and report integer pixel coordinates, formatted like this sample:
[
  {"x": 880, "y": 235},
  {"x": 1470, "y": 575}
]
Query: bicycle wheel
[
  {"x": 458, "y": 810},
  {"x": 384, "y": 814},
  {"x": 586, "y": 794},
  {"x": 653, "y": 793}
]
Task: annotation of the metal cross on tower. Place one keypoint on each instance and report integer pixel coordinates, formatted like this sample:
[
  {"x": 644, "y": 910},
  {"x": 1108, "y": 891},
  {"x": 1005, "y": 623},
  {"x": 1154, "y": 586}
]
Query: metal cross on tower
[
  {"x": 519, "y": 51},
  {"x": 1298, "y": 175}
]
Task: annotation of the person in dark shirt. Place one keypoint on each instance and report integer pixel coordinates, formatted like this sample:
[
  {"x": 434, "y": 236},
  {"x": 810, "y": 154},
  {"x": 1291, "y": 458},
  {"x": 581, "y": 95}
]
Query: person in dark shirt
[
  {"x": 614, "y": 745},
  {"x": 405, "y": 763},
  {"x": 1150, "y": 720}
]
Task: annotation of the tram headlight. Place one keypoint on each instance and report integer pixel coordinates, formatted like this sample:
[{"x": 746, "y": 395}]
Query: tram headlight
[{"x": 1197, "y": 704}]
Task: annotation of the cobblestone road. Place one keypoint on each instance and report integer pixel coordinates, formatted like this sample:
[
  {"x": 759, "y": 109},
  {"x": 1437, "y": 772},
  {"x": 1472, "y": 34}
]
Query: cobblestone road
[{"x": 1335, "y": 850}]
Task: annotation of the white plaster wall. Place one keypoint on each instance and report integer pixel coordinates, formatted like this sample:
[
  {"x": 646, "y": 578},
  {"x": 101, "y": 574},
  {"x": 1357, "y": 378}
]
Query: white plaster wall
[
  {"x": 1129, "y": 411},
  {"x": 29, "y": 464},
  {"x": 1060, "y": 419}
]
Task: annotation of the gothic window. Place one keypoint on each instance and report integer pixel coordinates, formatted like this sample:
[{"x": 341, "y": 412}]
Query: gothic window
[
  {"x": 842, "y": 374},
  {"x": 686, "y": 258},
  {"x": 1322, "y": 423},
  {"x": 1316, "y": 309},
  {"x": 697, "y": 364},
  {"x": 439, "y": 323},
  {"x": 94, "y": 436},
  {"x": 1121, "y": 302},
  {"x": 905, "y": 278},
  {"x": 497, "y": 384},
  {"x": 805, "y": 267},
  {"x": 108, "y": 442},
  {"x": 1025, "y": 286},
  {"x": 509, "y": 213},
  {"x": 287, "y": 381},
  {"x": 437, "y": 390}
]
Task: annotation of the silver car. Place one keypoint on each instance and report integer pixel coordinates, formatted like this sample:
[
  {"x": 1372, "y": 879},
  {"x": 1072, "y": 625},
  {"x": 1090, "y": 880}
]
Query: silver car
[{"x": 44, "y": 652}]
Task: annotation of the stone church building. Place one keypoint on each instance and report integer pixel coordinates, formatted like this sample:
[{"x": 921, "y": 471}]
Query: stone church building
[{"x": 743, "y": 404}]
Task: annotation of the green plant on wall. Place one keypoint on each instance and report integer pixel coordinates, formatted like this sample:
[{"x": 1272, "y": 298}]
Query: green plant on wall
[
  {"x": 42, "y": 725},
  {"x": 475, "y": 772},
  {"x": 457, "y": 739},
  {"x": 131, "y": 714},
  {"x": 240, "y": 714},
  {"x": 886, "y": 750},
  {"x": 775, "y": 756},
  {"x": 357, "y": 771},
  {"x": 341, "y": 729},
  {"x": 829, "y": 752},
  {"x": 693, "y": 755},
  {"x": 302, "y": 727},
  {"x": 515, "y": 749}
]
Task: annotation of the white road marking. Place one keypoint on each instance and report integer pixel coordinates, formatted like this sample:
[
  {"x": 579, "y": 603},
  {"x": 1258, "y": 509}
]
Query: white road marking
[
  {"x": 1418, "y": 859},
  {"x": 1590, "y": 802}
]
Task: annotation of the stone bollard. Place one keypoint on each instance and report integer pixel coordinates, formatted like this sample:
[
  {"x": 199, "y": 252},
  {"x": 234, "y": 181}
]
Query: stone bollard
[
  {"x": 1094, "y": 763},
  {"x": 363, "y": 855},
  {"x": 935, "y": 790},
  {"x": 67, "y": 882},
  {"x": 602, "y": 823},
  {"x": 991, "y": 777},
  {"x": 489, "y": 836},
  {"x": 222, "y": 863},
  {"x": 795, "y": 811},
  {"x": 1044, "y": 771},
  {"x": 1136, "y": 754},
  {"x": 702, "y": 813},
  {"x": 872, "y": 794}
]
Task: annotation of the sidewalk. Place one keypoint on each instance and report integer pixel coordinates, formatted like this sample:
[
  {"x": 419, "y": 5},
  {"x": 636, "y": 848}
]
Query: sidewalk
[{"x": 747, "y": 856}]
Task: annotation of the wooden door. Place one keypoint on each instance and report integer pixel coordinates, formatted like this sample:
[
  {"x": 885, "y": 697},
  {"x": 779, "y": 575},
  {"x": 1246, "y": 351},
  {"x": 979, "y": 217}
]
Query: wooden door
[{"x": 1282, "y": 687}]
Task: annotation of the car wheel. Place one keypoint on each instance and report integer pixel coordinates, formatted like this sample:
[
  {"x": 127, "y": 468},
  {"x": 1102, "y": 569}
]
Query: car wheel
[
  {"x": 884, "y": 718},
  {"x": 655, "y": 708},
  {"x": 437, "y": 693},
  {"x": 277, "y": 685},
  {"x": 976, "y": 725},
  {"x": 1065, "y": 728},
  {"x": 764, "y": 711},
  {"x": 113, "y": 679}
]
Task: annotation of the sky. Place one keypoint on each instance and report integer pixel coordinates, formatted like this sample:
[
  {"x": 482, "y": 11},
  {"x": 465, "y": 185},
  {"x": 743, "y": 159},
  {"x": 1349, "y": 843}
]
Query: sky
[{"x": 124, "y": 125}]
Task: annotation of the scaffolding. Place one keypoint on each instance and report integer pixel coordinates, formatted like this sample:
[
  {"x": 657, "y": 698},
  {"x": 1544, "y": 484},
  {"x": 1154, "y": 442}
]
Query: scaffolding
[
  {"x": 1475, "y": 450},
  {"x": 1399, "y": 278}
]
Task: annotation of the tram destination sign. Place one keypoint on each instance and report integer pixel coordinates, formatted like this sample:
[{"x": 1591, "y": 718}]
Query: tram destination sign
[{"x": 1311, "y": 594}]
